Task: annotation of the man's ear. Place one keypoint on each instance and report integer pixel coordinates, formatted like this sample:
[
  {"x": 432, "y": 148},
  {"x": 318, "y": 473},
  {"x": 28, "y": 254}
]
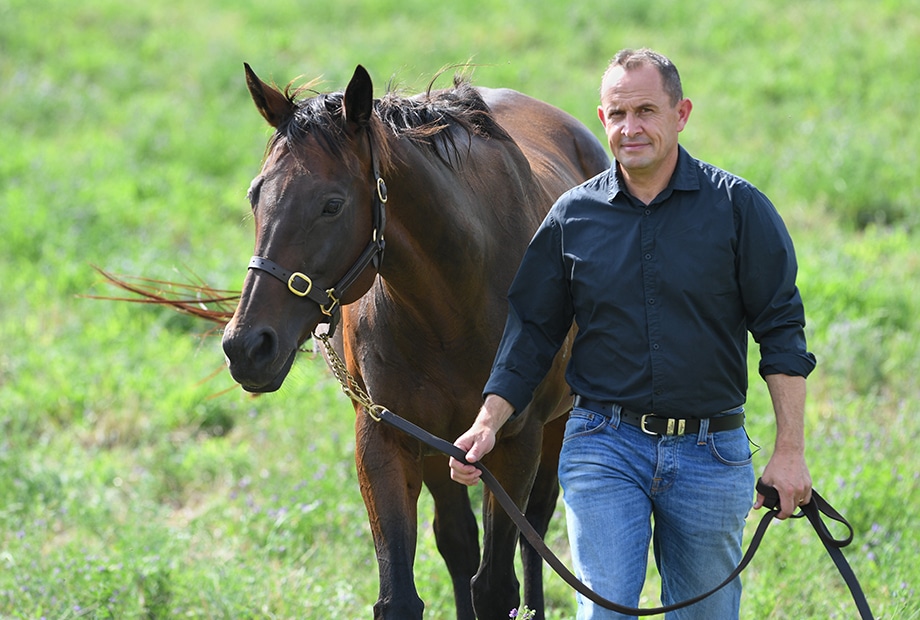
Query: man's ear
[{"x": 684, "y": 107}]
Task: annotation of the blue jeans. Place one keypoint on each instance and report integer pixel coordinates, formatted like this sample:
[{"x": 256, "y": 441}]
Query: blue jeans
[{"x": 697, "y": 488}]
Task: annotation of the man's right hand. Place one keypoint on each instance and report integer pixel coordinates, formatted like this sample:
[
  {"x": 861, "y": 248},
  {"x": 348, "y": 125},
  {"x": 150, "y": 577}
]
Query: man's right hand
[{"x": 480, "y": 438}]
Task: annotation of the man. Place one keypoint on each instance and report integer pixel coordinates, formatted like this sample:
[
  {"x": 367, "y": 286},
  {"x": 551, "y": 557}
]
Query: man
[{"x": 664, "y": 263}]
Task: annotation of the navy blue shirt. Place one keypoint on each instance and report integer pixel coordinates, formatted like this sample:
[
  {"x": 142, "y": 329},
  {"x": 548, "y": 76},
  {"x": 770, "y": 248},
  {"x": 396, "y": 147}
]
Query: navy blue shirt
[{"x": 663, "y": 295}]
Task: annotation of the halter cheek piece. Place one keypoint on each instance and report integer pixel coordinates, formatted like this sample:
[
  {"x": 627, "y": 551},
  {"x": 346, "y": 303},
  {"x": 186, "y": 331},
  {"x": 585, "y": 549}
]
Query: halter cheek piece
[{"x": 302, "y": 285}]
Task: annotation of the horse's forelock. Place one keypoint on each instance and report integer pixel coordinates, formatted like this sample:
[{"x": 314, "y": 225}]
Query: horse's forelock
[{"x": 318, "y": 118}]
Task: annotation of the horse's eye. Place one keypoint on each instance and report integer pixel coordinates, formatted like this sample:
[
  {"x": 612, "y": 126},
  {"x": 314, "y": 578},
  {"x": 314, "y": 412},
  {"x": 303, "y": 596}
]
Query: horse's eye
[
  {"x": 333, "y": 206},
  {"x": 253, "y": 194}
]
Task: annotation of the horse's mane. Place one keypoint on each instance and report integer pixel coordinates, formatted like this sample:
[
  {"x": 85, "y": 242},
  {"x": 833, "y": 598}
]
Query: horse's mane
[{"x": 427, "y": 119}]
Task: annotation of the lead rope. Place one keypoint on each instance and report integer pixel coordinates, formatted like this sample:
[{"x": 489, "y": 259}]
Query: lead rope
[{"x": 812, "y": 510}]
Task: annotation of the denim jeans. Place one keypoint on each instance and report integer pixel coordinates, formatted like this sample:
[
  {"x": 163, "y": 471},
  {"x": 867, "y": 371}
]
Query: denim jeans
[{"x": 697, "y": 489}]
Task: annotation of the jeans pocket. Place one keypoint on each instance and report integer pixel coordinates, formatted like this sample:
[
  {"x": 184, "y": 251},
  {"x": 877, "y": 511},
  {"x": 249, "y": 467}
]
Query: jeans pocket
[
  {"x": 583, "y": 422},
  {"x": 731, "y": 447}
]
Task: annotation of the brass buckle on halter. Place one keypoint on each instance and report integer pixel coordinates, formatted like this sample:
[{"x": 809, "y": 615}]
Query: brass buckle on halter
[
  {"x": 298, "y": 278},
  {"x": 328, "y": 310},
  {"x": 381, "y": 190}
]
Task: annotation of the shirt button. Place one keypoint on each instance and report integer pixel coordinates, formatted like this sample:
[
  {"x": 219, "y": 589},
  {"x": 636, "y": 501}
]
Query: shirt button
[
  {"x": 651, "y": 301},
  {"x": 648, "y": 257},
  {"x": 656, "y": 346},
  {"x": 648, "y": 212}
]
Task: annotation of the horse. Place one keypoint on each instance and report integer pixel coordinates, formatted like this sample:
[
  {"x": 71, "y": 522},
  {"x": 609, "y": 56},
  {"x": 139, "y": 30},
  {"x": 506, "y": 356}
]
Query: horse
[{"x": 397, "y": 224}]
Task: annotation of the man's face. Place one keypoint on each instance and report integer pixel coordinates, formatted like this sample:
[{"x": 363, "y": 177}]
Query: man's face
[{"x": 641, "y": 122}]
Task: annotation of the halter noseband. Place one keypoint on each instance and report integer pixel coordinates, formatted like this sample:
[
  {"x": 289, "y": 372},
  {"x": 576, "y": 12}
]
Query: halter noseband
[{"x": 302, "y": 285}]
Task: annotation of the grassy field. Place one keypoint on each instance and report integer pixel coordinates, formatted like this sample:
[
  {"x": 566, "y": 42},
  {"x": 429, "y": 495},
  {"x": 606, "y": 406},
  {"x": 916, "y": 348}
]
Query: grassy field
[{"x": 135, "y": 482}]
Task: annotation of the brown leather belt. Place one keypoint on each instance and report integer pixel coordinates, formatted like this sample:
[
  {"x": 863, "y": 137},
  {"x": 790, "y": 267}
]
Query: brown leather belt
[{"x": 653, "y": 424}]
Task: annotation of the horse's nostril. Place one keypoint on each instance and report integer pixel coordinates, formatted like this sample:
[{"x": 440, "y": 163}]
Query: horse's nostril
[
  {"x": 263, "y": 346},
  {"x": 255, "y": 348}
]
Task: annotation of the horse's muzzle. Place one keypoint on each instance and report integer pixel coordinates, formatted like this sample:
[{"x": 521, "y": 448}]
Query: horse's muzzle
[{"x": 255, "y": 360}]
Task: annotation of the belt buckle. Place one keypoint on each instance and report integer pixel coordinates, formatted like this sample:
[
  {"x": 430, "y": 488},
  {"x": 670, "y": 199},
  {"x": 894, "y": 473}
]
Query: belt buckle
[
  {"x": 675, "y": 427},
  {"x": 643, "y": 427}
]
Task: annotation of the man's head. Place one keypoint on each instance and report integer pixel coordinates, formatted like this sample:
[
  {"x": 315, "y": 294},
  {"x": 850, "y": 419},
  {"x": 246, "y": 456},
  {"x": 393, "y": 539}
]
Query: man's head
[
  {"x": 643, "y": 110},
  {"x": 633, "y": 59}
]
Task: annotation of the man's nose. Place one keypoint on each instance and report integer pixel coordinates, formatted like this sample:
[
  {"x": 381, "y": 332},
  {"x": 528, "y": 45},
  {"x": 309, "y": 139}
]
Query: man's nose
[{"x": 631, "y": 126}]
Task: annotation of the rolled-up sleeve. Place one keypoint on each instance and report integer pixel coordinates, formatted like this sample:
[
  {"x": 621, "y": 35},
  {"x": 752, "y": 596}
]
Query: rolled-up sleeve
[{"x": 767, "y": 274}]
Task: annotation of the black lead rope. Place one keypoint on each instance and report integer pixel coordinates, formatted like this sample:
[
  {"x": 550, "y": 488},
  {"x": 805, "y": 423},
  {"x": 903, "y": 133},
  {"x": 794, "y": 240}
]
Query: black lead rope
[{"x": 813, "y": 511}]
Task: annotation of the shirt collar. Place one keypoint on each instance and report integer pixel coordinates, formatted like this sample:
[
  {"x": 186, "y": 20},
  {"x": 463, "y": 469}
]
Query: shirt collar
[{"x": 684, "y": 177}]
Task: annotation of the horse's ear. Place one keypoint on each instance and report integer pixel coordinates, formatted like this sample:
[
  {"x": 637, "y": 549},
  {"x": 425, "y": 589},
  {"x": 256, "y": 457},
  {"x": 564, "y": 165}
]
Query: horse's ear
[
  {"x": 272, "y": 104},
  {"x": 359, "y": 98}
]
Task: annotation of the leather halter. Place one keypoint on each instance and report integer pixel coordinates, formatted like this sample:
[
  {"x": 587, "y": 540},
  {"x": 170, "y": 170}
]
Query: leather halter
[{"x": 329, "y": 301}]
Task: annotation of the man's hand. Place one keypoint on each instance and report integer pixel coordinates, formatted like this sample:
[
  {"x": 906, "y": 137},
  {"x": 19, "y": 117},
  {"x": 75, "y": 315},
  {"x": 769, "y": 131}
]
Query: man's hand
[
  {"x": 480, "y": 438},
  {"x": 788, "y": 474}
]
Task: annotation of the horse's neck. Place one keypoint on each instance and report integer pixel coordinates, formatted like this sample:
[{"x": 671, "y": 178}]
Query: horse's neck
[{"x": 453, "y": 238}]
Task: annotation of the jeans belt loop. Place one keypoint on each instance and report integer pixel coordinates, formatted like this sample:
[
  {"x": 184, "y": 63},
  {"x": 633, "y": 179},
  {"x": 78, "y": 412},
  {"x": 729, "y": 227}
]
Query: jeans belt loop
[{"x": 703, "y": 431}]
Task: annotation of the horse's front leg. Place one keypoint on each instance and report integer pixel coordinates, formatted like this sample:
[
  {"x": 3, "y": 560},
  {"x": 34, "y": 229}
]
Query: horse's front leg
[
  {"x": 496, "y": 589},
  {"x": 390, "y": 477},
  {"x": 455, "y": 531},
  {"x": 540, "y": 509}
]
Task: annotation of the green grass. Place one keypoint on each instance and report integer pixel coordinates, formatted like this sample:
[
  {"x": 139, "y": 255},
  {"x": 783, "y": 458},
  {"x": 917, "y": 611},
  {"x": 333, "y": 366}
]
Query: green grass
[{"x": 133, "y": 486}]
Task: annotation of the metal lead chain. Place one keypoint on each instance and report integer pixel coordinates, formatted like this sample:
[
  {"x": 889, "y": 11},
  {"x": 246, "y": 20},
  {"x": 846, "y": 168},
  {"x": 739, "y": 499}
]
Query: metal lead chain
[{"x": 349, "y": 386}]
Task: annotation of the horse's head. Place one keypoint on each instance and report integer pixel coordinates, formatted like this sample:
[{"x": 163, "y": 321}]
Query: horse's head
[{"x": 319, "y": 216}]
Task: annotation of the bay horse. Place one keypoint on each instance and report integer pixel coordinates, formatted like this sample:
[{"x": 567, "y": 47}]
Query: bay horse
[{"x": 399, "y": 223}]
